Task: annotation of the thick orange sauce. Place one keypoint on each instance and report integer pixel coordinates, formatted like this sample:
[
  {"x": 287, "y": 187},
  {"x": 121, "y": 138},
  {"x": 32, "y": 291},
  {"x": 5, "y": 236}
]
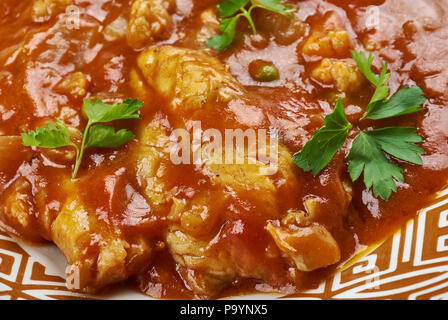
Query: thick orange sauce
[{"x": 413, "y": 41}]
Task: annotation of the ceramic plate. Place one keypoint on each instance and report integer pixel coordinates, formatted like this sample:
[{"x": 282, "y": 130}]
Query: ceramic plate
[{"x": 411, "y": 264}]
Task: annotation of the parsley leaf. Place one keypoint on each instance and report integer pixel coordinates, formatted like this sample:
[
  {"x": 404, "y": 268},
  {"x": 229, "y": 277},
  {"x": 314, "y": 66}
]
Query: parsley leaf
[
  {"x": 379, "y": 173},
  {"x": 106, "y": 137},
  {"x": 100, "y": 112},
  {"x": 399, "y": 143},
  {"x": 227, "y": 28},
  {"x": 100, "y": 136},
  {"x": 365, "y": 65},
  {"x": 229, "y": 9},
  {"x": 318, "y": 152},
  {"x": 49, "y": 136},
  {"x": 406, "y": 101},
  {"x": 274, "y": 6},
  {"x": 367, "y": 155}
]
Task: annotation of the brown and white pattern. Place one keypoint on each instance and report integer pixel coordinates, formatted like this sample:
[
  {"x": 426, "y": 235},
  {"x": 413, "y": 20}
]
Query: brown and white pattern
[
  {"x": 22, "y": 277},
  {"x": 412, "y": 264}
]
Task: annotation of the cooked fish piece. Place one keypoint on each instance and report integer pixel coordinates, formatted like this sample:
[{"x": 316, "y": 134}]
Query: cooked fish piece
[
  {"x": 152, "y": 160},
  {"x": 43, "y": 10},
  {"x": 17, "y": 214},
  {"x": 328, "y": 43},
  {"x": 150, "y": 20},
  {"x": 190, "y": 80},
  {"x": 310, "y": 248},
  {"x": 97, "y": 254},
  {"x": 201, "y": 82},
  {"x": 116, "y": 30},
  {"x": 205, "y": 270},
  {"x": 248, "y": 176},
  {"x": 342, "y": 74},
  {"x": 74, "y": 84}
]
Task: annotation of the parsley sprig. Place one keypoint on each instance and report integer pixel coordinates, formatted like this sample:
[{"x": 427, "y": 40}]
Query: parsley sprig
[
  {"x": 371, "y": 150},
  {"x": 230, "y": 11},
  {"x": 94, "y": 136}
]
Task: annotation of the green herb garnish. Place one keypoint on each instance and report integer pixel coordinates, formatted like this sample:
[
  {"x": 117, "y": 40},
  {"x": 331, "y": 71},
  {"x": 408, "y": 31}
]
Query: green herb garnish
[
  {"x": 367, "y": 155},
  {"x": 405, "y": 101},
  {"x": 319, "y": 151},
  {"x": 94, "y": 136},
  {"x": 231, "y": 10},
  {"x": 368, "y": 152}
]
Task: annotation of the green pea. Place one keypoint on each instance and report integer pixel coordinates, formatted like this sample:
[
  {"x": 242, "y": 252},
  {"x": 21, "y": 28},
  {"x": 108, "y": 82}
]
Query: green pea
[{"x": 263, "y": 71}]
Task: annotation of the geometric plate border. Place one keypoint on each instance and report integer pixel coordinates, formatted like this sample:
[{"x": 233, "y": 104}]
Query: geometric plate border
[{"x": 411, "y": 264}]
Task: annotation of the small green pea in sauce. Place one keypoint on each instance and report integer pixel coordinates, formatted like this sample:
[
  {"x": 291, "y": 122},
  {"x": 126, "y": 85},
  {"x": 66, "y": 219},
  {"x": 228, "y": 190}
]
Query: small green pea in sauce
[{"x": 263, "y": 71}]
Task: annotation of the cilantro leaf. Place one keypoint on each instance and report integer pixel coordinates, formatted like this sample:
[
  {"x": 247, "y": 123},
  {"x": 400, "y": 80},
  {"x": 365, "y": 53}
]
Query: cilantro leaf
[
  {"x": 230, "y": 7},
  {"x": 106, "y": 137},
  {"x": 407, "y": 100},
  {"x": 379, "y": 173},
  {"x": 318, "y": 152},
  {"x": 100, "y": 112},
  {"x": 366, "y": 155},
  {"x": 232, "y": 10},
  {"x": 49, "y": 136}
]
